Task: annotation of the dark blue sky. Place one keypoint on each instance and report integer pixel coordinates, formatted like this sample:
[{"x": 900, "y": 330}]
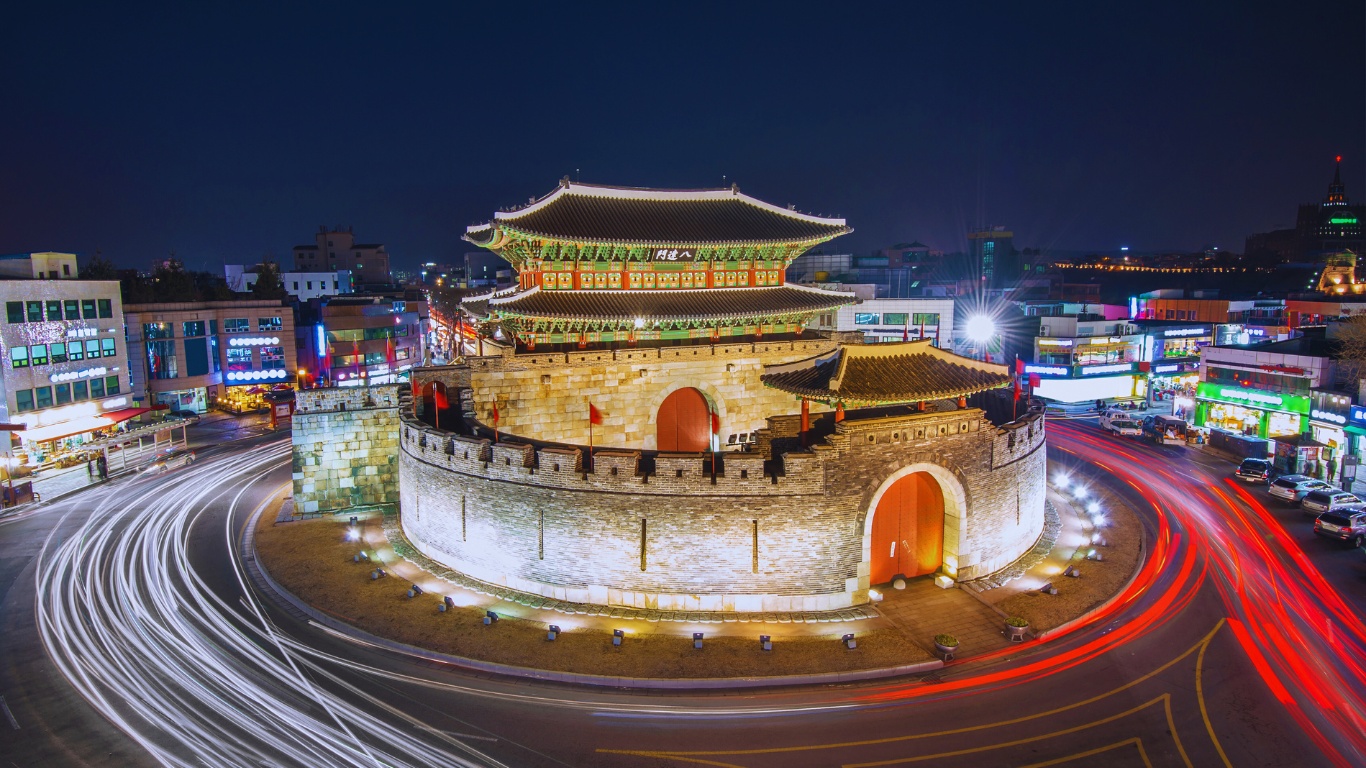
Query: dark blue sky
[{"x": 228, "y": 131}]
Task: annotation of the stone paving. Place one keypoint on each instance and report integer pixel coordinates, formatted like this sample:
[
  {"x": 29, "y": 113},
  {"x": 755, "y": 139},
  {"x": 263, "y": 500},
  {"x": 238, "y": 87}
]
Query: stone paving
[{"x": 923, "y": 610}]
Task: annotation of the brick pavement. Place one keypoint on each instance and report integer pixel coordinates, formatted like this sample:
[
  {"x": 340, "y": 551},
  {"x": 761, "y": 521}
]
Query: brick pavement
[{"x": 923, "y": 610}]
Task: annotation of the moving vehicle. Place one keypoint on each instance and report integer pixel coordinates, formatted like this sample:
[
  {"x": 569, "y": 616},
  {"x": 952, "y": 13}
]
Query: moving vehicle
[
  {"x": 1346, "y": 523},
  {"x": 1327, "y": 500},
  {"x": 1254, "y": 471},
  {"x": 168, "y": 460},
  {"x": 1120, "y": 423},
  {"x": 1293, "y": 488},
  {"x": 1165, "y": 430}
]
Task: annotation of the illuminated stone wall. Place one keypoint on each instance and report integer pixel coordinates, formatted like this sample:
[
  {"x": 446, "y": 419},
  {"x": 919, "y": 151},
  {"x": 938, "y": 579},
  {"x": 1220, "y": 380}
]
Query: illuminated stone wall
[
  {"x": 674, "y": 539},
  {"x": 546, "y": 396},
  {"x": 345, "y": 448}
]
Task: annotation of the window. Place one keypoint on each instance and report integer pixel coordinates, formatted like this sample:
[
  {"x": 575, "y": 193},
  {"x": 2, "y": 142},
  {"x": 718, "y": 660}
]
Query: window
[
  {"x": 43, "y": 396},
  {"x": 895, "y": 318},
  {"x": 193, "y": 328},
  {"x": 35, "y": 311},
  {"x": 37, "y": 354},
  {"x": 54, "y": 310},
  {"x": 111, "y": 385},
  {"x": 92, "y": 349},
  {"x": 97, "y": 387},
  {"x": 213, "y": 347},
  {"x": 18, "y": 357},
  {"x": 239, "y": 359},
  {"x": 236, "y": 325},
  {"x": 161, "y": 359},
  {"x": 106, "y": 307},
  {"x": 272, "y": 357},
  {"x": 865, "y": 318},
  {"x": 58, "y": 352},
  {"x": 73, "y": 309},
  {"x": 80, "y": 391},
  {"x": 925, "y": 318},
  {"x": 73, "y": 351},
  {"x": 63, "y": 392},
  {"x": 66, "y": 270},
  {"x": 23, "y": 400},
  {"x": 158, "y": 331},
  {"x": 268, "y": 324},
  {"x": 401, "y": 354},
  {"x": 296, "y": 285},
  {"x": 107, "y": 347},
  {"x": 15, "y": 311},
  {"x": 88, "y": 309}
]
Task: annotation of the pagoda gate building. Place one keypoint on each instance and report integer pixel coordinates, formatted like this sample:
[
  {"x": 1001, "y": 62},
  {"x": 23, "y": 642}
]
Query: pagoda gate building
[{"x": 644, "y": 422}]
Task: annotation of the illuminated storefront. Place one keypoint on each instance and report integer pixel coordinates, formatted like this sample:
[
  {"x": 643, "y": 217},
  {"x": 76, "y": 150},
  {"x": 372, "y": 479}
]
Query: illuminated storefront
[
  {"x": 1328, "y": 421},
  {"x": 1087, "y": 383},
  {"x": 1250, "y": 412}
]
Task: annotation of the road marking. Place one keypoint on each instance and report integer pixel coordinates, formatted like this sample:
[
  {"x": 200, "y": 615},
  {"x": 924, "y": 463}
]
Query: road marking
[
  {"x": 685, "y": 755},
  {"x": 1200, "y": 696},
  {"x": 8, "y": 714},
  {"x": 1137, "y": 742}
]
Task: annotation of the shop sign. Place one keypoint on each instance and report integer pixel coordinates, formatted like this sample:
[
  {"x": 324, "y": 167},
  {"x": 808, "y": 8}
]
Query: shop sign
[
  {"x": 73, "y": 375},
  {"x": 254, "y": 341},
  {"x": 1283, "y": 369},
  {"x": 1357, "y": 415},
  {"x": 1098, "y": 370},
  {"x": 1328, "y": 416},
  {"x": 1239, "y": 396},
  {"x": 1107, "y": 340},
  {"x": 1186, "y": 332},
  {"x": 1055, "y": 342},
  {"x": 251, "y": 376},
  {"x": 1166, "y": 368},
  {"x": 82, "y": 333},
  {"x": 1048, "y": 370}
]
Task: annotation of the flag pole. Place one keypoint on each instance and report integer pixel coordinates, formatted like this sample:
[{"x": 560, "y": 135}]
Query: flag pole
[{"x": 590, "y": 435}]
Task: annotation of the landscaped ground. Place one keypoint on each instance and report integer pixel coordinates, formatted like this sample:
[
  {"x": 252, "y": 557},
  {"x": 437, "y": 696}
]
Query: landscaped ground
[{"x": 313, "y": 560}]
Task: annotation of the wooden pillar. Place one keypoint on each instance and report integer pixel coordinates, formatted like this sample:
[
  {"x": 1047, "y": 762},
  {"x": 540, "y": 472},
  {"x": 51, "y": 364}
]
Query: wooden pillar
[
  {"x": 962, "y": 402},
  {"x": 920, "y": 406},
  {"x": 806, "y": 419},
  {"x": 839, "y": 412}
]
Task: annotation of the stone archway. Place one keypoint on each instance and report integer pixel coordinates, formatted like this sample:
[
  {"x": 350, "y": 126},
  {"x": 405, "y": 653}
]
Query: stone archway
[
  {"x": 954, "y": 526},
  {"x": 436, "y": 405},
  {"x": 907, "y": 529},
  {"x": 683, "y": 423}
]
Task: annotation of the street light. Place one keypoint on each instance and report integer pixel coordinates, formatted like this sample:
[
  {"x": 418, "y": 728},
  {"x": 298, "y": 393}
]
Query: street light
[{"x": 981, "y": 328}]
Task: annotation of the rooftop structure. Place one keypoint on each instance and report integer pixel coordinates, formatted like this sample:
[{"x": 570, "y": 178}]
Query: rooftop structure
[{"x": 887, "y": 374}]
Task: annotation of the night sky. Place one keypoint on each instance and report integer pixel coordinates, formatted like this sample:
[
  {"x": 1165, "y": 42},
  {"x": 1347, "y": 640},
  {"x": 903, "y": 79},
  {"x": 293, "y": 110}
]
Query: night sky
[{"x": 226, "y": 132}]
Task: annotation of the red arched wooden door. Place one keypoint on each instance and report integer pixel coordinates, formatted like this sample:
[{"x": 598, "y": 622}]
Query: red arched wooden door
[
  {"x": 908, "y": 529},
  {"x": 684, "y": 423}
]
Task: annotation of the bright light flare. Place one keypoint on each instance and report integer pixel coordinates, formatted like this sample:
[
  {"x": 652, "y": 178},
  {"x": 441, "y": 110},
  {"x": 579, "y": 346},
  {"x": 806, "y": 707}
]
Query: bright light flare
[{"x": 980, "y": 328}]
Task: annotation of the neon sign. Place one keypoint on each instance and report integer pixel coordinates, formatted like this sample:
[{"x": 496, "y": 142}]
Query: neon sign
[
  {"x": 1328, "y": 416},
  {"x": 1187, "y": 332},
  {"x": 1093, "y": 370},
  {"x": 1047, "y": 370},
  {"x": 253, "y": 341}
]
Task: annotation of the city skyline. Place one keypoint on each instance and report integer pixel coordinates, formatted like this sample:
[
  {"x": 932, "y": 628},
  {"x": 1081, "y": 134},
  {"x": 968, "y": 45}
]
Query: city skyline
[{"x": 1102, "y": 128}]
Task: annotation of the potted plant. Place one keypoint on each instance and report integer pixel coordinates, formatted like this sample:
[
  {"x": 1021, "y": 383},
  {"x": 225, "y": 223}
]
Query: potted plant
[
  {"x": 947, "y": 644},
  {"x": 1016, "y": 628}
]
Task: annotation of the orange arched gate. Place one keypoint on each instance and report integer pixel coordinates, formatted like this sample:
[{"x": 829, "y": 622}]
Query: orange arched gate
[
  {"x": 908, "y": 529},
  {"x": 684, "y": 423}
]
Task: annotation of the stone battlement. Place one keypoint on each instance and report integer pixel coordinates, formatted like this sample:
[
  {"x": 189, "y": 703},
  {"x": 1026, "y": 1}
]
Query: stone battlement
[{"x": 331, "y": 399}]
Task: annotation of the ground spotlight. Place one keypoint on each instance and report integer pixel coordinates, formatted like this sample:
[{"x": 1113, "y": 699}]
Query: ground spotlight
[
  {"x": 1061, "y": 480},
  {"x": 697, "y": 640},
  {"x": 447, "y": 604},
  {"x": 1079, "y": 492},
  {"x": 353, "y": 535},
  {"x": 414, "y": 591},
  {"x": 766, "y": 642},
  {"x": 849, "y": 641},
  {"x": 617, "y": 636},
  {"x": 490, "y": 617},
  {"x": 553, "y": 632},
  {"x": 1093, "y": 507}
]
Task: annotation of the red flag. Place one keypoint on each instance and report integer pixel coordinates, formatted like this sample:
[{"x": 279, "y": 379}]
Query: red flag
[
  {"x": 1019, "y": 366},
  {"x": 439, "y": 399},
  {"x": 594, "y": 415},
  {"x": 715, "y": 424},
  {"x": 1017, "y": 389},
  {"x": 495, "y": 411},
  {"x": 1034, "y": 380}
]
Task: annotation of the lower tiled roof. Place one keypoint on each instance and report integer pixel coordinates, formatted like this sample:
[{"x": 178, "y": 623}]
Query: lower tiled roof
[
  {"x": 887, "y": 373},
  {"x": 718, "y": 303}
]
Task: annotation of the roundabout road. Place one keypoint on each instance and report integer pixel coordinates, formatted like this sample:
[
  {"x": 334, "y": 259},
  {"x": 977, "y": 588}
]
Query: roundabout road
[{"x": 133, "y": 637}]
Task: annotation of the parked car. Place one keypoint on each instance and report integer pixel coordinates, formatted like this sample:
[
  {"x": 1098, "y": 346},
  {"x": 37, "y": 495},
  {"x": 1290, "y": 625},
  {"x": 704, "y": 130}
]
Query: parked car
[
  {"x": 1120, "y": 423},
  {"x": 169, "y": 459},
  {"x": 1346, "y": 523},
  {"x": 1293, "y": 488},
  {"x": 1254, "y": 471},
  {"x": 1326, "y": 500},
  {"x": 189, "y": 417},
  {"x": 1165, "y": 430}
]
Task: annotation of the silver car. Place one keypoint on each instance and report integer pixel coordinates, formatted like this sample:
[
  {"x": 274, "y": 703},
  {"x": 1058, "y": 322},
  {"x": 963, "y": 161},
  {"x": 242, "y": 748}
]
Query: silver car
[
  {"x": 1323, "y": 500},
  {"x": 168, "y": 460},
  {"x": 1293, "y": 488}
]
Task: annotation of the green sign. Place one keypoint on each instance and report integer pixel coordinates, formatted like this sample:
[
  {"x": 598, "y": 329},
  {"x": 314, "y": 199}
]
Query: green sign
[
  {"x": 1252, "y": 398},
  {"x": 1343, "y": 220}
]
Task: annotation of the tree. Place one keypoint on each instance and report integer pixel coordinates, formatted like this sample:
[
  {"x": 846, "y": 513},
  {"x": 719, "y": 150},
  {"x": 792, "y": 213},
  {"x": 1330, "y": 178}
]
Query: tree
[
  {"x": 99, "y": 268},
  {"x": 1350, "y": 335},
  {"x": 268, "y": 285}
]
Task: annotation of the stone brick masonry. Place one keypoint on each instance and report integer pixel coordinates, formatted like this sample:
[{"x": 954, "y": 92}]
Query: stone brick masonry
[{"x": 346, "y": 448}]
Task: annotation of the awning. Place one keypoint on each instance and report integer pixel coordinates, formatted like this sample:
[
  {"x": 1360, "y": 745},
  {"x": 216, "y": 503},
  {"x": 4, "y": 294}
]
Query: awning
[
  {"x": 76, "y": 426},
  {"x": 1354, "y": 430},
  {"x": 124, "y": 414}
]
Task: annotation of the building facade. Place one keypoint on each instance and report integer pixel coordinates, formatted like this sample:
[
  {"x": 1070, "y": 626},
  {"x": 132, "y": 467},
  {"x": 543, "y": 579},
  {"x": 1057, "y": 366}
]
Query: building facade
[
  {"x": 337, "y": 249},
  {"x": 1084, "y": 358},
  {"x": 191, "y": 355},
  {"x": 883, "y": 320},
  {"x": 47, "y": 265},
  {"x": 364, "y": 340}
]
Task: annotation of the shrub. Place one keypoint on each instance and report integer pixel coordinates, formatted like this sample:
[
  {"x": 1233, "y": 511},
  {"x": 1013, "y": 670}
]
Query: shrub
[
  {"x": 1016, "y": 621},
  {"x": 946, "y": 640}
]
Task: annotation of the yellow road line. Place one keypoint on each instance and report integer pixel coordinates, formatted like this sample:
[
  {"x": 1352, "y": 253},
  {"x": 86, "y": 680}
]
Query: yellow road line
[
  {"x": 910, "y": 737},
  {"x": 1200, "y": 696},
  {"x": 1137, "y": 742}
]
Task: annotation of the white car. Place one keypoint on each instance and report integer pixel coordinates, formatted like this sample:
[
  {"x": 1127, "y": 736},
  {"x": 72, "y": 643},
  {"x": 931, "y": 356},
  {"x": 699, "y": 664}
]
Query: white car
[{"x": 1121, "y": 423}]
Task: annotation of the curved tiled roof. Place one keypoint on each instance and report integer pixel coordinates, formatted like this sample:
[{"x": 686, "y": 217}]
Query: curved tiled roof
[
  {"x": 887, "y": 373},
  {"x": 583, "y": 212},
  {"x": 717, "y": 303}
]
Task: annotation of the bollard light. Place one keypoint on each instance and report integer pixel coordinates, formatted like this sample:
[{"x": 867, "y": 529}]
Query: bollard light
[
  {"x": 765, "y": 642},
  {"x": 490, "y": 617},
  {"x": 414, "y": 591},
  {"x": 354, "y": 521},
  {"x": 617, "y": 636},
  {"x": 697, "y": 640},
  {"x": 553, "y": 632},
  {"x": 849, "y": 641},
  {"x": 447, "y": 604}
]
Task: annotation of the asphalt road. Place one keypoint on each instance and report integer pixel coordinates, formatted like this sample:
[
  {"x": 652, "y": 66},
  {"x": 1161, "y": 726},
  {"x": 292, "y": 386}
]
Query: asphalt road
[{"x": 130, "y": 636}]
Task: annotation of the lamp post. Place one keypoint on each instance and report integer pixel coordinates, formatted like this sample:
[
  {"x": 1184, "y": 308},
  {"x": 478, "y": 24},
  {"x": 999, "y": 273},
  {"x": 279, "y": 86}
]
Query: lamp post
[{"x": 980, "y": 330}]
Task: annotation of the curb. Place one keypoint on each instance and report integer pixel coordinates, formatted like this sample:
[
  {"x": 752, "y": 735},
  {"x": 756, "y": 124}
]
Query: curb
[
  {"x": 1138, "y": 568},
  {"x": 346, "y": 631}
]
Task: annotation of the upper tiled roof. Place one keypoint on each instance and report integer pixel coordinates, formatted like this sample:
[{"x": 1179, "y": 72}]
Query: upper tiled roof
[
  {"x": 588, "y": 213},
  {"x": 887, "y": 373},
  {"x": 717, "y": 303}
]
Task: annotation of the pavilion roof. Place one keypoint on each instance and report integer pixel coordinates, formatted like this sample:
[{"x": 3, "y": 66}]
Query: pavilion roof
[
  {"x": 903, "y": 372},
  {"x": 626, "y": 215},
  {"x": 648, "y": 305}
]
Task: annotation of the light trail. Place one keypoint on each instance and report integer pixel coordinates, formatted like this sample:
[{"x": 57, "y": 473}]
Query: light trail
[{"x": 129, "y": 622}]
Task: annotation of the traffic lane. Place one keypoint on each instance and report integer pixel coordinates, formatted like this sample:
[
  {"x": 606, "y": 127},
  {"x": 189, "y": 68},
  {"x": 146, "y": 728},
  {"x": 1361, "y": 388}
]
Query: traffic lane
[{"x": 57, "y": 726}]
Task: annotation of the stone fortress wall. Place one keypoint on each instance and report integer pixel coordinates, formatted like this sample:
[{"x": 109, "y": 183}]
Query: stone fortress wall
[
  {"x": 545, "y": 396},
  {"x": 789, "y": 535},
  {"x": 346, "y": 448}
]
